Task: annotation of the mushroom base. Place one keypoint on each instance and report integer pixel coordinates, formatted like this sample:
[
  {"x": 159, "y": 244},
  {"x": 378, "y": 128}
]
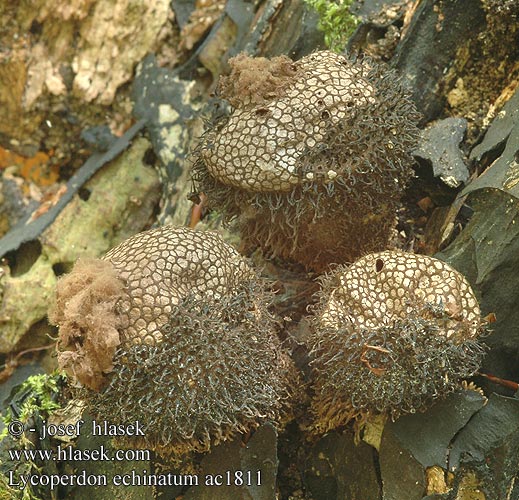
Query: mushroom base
[{"x": 322, "y": 238}]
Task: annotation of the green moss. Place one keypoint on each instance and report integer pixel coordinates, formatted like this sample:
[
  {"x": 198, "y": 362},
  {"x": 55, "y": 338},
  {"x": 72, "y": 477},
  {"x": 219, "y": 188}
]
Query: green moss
[
  {"x": 335, "y": 21},
  {"x": 41, "y": 392},
  {"x": 34, "y": 400}
]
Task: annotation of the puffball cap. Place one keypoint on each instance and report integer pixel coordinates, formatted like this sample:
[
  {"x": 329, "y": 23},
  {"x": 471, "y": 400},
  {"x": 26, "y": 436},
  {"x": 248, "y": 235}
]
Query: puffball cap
[
  {"x": 391, "y": 333},
  {"x": 383, "y": 287},
  {"x": 172, "y": 329}
]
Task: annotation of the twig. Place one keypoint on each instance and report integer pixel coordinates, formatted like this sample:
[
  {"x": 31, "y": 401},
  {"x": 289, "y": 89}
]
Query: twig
[
  {"x": 13, "y": 362},
  {"x": 505, "y": 383}
]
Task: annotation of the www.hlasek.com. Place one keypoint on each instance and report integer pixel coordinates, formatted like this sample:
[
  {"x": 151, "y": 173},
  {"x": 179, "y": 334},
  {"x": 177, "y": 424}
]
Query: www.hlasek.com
[{"x": 82, "y": 478}]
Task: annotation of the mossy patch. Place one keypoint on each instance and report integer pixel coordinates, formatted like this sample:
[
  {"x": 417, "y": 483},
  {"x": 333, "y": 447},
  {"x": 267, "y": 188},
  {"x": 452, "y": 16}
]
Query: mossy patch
[
  {"x": 335, "y": 21},
  {"x": 30, "y": 403}
]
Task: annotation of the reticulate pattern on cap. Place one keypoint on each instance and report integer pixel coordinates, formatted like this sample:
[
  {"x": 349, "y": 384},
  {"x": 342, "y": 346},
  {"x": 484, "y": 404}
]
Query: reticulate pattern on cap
[
  {"x": 164, "y": 265},
  {"x": 391, "y": 332},
  {"x": 263, "y": 147},
  {"x": 193, "y": 352},
  {"x": 384, "y": 287},
  {"x": 330, "y": 154}
]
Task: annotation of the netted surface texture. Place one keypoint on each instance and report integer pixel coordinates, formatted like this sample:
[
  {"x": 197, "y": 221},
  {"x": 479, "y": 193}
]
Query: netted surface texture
[
  {"x": 384, "y": 287},
  {"x": 164, "y": 265},
  {"x": 195, "y": 357},
  {"x": 331, "y": 154},
  {"x": 391, "y": 333},
  {"x": 262, "y": 147}
]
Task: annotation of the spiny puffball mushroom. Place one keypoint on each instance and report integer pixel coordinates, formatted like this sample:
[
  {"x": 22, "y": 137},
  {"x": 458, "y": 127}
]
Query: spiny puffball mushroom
[
  {"x": 171, "y": 329},
  {"x": 313, "y": 157},
  {"x": 390, "y": 333}
]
